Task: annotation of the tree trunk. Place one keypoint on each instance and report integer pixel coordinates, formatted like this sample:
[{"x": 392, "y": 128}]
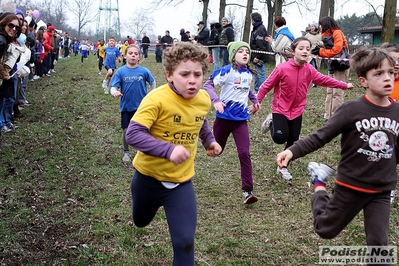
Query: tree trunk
[
  {"x": 205, "y": 11},
  {"x": 270, "y": 17},
  {"x": 222, "y": 10},
  {"x": 324, "y": 8},
  {"x": 247, "y": 25},
  {"x": 388, "y": 22},
  {"x": 278, "y": 8},
  {"x": 331, "y": 10}
]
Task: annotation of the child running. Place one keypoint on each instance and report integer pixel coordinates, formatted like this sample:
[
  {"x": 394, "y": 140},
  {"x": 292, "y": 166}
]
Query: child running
[
  {"x": 100, "y": 54},
  {"x": 75, "y": 48},
  {"x": 111, "y": 54},
  {"x": 129, "y": 84},
  {"x": 84, "y": 49},
  {"x": 232, "y": 111},
  {"x": 291, "y": 82},
  {"x": 165, "y": 131},
  {"x": 367, "y": 169}
]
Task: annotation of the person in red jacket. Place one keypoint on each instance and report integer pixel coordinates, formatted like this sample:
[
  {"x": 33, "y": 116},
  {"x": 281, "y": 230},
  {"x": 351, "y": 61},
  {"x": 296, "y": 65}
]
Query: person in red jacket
[{"x": 48, "y": 48}]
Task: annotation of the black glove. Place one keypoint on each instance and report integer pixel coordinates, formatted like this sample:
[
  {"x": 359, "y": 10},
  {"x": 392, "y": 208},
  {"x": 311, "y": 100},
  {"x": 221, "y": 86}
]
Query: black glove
[
  {"x": 260, "y": 63},
  {"x": 315, "y": 50}
]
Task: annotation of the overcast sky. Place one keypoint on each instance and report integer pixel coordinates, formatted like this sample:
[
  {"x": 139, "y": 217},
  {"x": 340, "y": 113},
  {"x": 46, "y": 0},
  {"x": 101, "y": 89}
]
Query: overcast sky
[{"x": 189, "y": 12}]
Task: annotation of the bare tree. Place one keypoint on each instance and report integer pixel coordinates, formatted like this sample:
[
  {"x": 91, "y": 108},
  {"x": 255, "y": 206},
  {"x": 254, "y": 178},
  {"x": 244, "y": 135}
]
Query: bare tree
[
  {"x": 235, "y": 21},
  {"x": 84, "y": 11},
  {"x": 53, "y": 11},
  {"x": 141, "y": 21},
  {"x": 247, "y": 25},
  {"x": 222, "y": 9},
  {"x": 205, "y": 10},
  {"x": 388, "y": 21}
]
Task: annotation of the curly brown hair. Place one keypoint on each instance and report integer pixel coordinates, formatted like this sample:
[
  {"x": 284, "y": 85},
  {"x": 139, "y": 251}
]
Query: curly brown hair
[{"x": 184, "y": 51}]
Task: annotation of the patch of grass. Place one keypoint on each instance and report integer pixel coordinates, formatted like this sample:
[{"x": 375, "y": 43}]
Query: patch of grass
[{"x": 65, "y": 196}]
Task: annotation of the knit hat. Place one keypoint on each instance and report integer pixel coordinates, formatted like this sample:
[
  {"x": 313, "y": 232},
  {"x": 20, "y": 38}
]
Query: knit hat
[
  {"x": 51, "y": 27},
  {"x": 256, "y": 16},
  {"x": 233, "y": 48},
  {"x": 225, "y": 19},
  {"x": 19, "y": 11},
  {"x": 315, "y": 24}
]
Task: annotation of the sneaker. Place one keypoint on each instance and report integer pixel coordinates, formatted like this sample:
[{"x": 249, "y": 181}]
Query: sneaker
[
  {"x": 52, "y": 70},
  {"x": 284, "y": 173},
  {"x": 267, "y": 124},
  {"x": 35, "y": 77},
  {"x": 12, "y": 127},
  {"x": 320, "y": 171},
  {"x": 5, "y": 129},
  {"x": 104, "y": 85},
  {"x": 100, "y": 73},
  {"x": 249, "y": 197},
  {"x": 48, "y": 75},
  {"x": 126, "y": 157},
  {"x": 393, "y": 193}
]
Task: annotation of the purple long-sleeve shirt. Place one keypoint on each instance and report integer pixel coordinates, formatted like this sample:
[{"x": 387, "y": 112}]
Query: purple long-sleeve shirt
[{"x": 139, "y": 138}]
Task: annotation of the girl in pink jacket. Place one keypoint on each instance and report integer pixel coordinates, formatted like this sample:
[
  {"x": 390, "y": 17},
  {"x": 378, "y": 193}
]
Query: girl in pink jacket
[{"x": 291, "y": 82}]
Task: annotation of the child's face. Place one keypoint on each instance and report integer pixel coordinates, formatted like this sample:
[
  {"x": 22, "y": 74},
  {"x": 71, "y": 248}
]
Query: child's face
[
  {"x": 301, "y": 52},
  {"x": 242, "y": 56},
  {"x": 396, "y": 56},
  {"x": 111, "y": 42},
  {"x": 379, "y": 81},
  {"x": 132, "y": 56},
  {"x": 187, "y": 78}
]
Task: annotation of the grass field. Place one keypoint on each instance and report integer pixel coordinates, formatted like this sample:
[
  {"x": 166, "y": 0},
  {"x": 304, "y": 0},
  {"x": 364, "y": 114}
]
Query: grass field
[{"x": 65, "y": 197}]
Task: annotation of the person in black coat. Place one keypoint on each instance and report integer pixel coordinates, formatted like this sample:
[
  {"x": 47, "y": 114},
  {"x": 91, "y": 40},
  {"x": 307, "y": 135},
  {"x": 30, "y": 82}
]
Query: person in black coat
[
  {"x": 216, "y": 29},
  {"x": 258, "y": 43},
  {"x": 184, "y": 37},
  {"x": 145, "y": 43},
  {"x": 203, "y": 34}
]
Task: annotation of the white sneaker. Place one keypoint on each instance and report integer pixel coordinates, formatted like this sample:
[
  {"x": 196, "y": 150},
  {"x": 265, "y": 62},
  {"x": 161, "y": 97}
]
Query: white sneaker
[
  {"x": 393, "y": 193},
  {"x": 126, "y": 157},
  {"x": 320, "y": 171},
  {"x": 100, "y": 73},
  {"x": 52, "y": 70},
  {"x": 105, "y": 87},
  {"x": 267, "y": 124},
  {"x": 35, "y": 77},
  {"x": 284, "y": 173}
]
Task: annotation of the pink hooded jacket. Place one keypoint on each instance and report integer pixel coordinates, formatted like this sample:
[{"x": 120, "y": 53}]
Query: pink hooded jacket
[{"x": 291, "y": 83}]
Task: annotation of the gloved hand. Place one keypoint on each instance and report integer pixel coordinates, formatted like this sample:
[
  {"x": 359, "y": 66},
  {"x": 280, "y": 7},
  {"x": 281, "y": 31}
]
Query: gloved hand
[
  {"x": 260, "y": 63},
  {"x": 315, "y": 50}
]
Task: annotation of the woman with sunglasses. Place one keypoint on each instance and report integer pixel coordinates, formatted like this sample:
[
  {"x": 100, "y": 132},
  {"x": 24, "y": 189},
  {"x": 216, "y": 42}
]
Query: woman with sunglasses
[{"x": 10, "y": 29}]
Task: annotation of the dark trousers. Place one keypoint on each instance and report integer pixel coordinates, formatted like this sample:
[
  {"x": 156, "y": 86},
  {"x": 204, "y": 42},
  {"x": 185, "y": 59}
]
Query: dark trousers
[
  {"x": 221, "y": 130},
  {"x": 225, "y": 55},
  {"x": 100, "y": 63},
  {"x": 148, "y": 194},
  {"x": 284, "y": 130},
  {"x": 332, "y": 215},
  {"x": 66, "y": 51},
  {"x": 145, "y": 52}
]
